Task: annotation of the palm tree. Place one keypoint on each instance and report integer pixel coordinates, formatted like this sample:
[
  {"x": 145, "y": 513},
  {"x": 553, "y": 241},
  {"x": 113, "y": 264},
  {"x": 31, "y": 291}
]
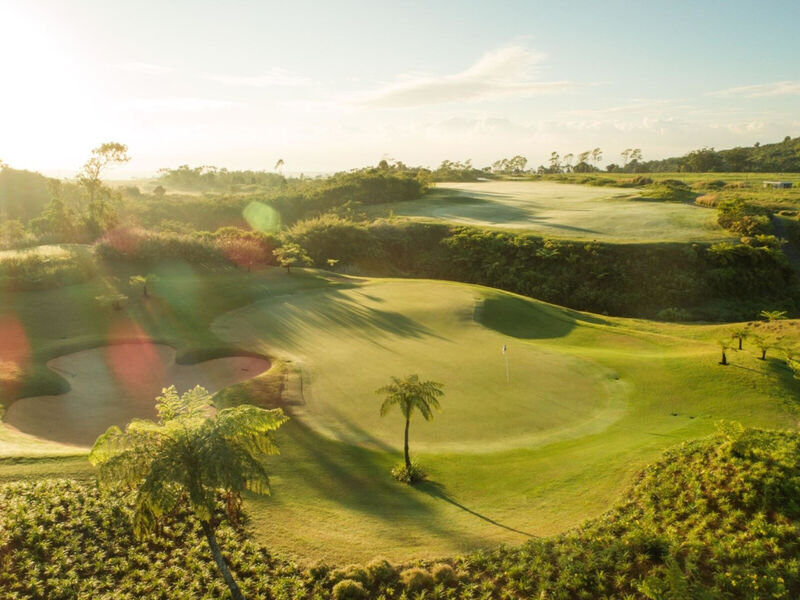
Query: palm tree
[
  {"x": 724, "y": 345},
  {"x": 410, "y": 394},
  {"x": 189, "y": 455},
  {"x": 740, "y": 333}
]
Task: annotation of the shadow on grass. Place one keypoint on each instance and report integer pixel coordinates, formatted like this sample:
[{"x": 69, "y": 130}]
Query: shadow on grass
[
  {"x": 437, "y": 490},
  {"x": 357, "y": 480},
  {"x": 287, "y": 319}
]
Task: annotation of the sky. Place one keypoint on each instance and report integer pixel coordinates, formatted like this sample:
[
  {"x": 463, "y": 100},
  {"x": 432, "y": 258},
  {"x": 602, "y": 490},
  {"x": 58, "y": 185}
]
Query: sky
[{"x": 330, "y": 86}]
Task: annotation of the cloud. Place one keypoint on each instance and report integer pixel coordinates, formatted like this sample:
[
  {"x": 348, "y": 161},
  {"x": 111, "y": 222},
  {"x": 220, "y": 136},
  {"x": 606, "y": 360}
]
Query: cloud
[
  {"x": 504, "y": 72},
  {"x": 273, "y": 78},
  {"x": 778, "y": 88},
  {"x": 177, "y": 104},
  {"x": 144, "y": 68}
]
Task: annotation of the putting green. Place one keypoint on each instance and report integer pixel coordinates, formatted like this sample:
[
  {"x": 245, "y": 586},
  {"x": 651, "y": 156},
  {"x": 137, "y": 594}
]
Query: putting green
[
  {"x": 348, "y": 342},
  {"x": 558, "y": 210},
  {"x": 113, "y": 384}
]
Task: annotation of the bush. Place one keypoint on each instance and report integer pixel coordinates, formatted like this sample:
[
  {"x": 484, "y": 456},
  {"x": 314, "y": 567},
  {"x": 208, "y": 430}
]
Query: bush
[
  {"x": 381, "y": 572},
  {"x": 707, "y": 200},
  {"x": 38, "y": 268},
  {"x": 347, "y": 589},
  {"x": 405, "y": 475},
  {"x": 416, "y": 579},
  {"x": 350, "y": 572},
  {"x": 444, "y": 574},
  {"x": 150, "y": 247}
]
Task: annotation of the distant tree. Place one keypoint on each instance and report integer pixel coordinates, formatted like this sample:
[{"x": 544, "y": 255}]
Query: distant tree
[
  {"x": 724, "y": 345},
  {"x": 773, "y": 315},
  {"x": 159, "y": 191},
  {"x": 279, "y": 164},
  {"x": 597, "y": 156},
  {"x": 291, "y": 255},
  {"x": 332, "y": 262},
  {"x": 188, "y": 456},
  {"x": 143, "y": 281},
  {"x": 566, "y": 162},
  {"x": 3, "y": 165},
  {"x": 555, "y": 162},
  {"x": 703, "y": 160},
  {"x": 409, "y": 395},
  {"x": 626, "y": 156},
  {"x": 89, "y": 177}
]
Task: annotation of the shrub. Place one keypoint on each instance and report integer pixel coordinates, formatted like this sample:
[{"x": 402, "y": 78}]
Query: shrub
[
  {"x": 36, "y": 269},
  {"x": 416, "y": 579},
  {"x": 444, "y": 574},
  {"x": 707, "y": 200},
  {"x": 381, "y": 572},
  {"x": 347, "y": 589},
  {"x": 405, "y": 475},
  {"x": 350, "y": 572}
]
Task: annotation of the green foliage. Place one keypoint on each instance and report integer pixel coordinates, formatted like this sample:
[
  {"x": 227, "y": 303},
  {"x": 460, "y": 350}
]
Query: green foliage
[
  {"x": 445, "y": 574},
  {"x": 743, "y": 217},
  {"x": 37, "y": 268},
  {"x": 23, "y": 194},
  {"x": 408, "y": 474},
  {"x": 348, "y": 589},
  {"x": 148, "y": 247},
  {"x": 716, "y": 518},
  {"x": 667, "y": 190},
  {"x": 416, "y": 579},
  {"x": 291, "y": 255},
  {"x": 780, "y": 157},
  {"x": 187, "y": 455}
]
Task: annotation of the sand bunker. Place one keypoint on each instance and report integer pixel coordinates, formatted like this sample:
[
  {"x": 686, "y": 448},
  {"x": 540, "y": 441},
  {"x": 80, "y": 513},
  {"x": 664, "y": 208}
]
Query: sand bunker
[{"x": 113, "y": 384}]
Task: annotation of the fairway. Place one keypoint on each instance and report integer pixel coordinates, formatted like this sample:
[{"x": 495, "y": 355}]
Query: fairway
[
  {"x": 557, "y": 210},
  {"x": 588, "y": 402}
]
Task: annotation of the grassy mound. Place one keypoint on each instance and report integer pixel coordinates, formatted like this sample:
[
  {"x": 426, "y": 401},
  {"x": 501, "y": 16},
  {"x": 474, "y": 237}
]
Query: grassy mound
[{"x": 717, "y": 518}]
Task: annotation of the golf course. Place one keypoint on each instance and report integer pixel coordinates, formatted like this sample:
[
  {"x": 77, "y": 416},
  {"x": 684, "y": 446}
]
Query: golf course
[
  {"x": 530, "y": 449},
  {"x": 562, "y": 210}
]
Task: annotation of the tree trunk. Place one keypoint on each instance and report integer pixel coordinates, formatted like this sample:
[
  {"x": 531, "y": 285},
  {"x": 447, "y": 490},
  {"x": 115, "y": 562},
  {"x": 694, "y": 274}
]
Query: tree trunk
[
  {"x": 724, "y": 359},
  {"x": 222, "y": 565},
  {"x": 405, "y": 448},
  {"x": 288, "y": 269},
  {"x": 763, "y": 355},
  {"x": 144, "y": 291},
  {"x": 740, "y": 343}
]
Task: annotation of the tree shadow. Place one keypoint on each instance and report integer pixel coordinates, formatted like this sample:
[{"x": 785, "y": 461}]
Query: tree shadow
[
  {"x": 437, "y": 490},
  {"x": 287, "y": 319}
]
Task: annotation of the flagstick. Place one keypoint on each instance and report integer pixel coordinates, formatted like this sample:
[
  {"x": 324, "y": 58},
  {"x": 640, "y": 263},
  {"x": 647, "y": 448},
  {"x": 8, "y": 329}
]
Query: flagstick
[{"x": 508, "y": 376}]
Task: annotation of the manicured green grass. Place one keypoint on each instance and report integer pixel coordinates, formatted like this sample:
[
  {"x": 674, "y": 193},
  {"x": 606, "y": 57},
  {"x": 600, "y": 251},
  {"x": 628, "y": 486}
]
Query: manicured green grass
[
  {"x": 558, "y": 210},
  {"x": 591, "y": 401}
]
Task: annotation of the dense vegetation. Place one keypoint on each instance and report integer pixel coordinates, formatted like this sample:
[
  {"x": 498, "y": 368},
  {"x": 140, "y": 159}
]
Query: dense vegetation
[
  {"x": 724, "y": 280},
  {"x": 715, "y": 518},
  {"x": 779, "y": 157}
]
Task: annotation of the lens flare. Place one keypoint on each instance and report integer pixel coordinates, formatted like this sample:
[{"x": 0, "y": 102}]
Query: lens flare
[
  {"x": 262, "y": 217},
  {"x": 134, "y": 366}
]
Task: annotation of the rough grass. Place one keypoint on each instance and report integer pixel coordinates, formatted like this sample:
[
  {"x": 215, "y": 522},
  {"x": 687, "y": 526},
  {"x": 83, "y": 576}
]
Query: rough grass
[
  {"x": 563, "y": 211},
  {"x": 591, "y": 401}
]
